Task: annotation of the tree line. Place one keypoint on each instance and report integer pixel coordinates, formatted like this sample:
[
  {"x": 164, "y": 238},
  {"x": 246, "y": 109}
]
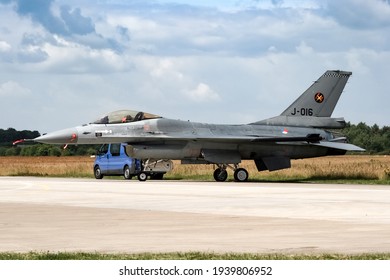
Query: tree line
[
  {"x": 8, "y": 136},
  {"x": 374, "y": 139}
]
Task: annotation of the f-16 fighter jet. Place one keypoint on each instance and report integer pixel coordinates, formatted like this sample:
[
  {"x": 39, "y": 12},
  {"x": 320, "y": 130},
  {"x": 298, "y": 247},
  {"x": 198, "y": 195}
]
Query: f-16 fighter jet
[{"x": 299, "y": 132}]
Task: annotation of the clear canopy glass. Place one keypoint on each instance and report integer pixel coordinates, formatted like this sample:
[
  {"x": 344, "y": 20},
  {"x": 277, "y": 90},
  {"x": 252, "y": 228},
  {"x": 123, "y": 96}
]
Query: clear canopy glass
[{"x": 125, "y": 116}]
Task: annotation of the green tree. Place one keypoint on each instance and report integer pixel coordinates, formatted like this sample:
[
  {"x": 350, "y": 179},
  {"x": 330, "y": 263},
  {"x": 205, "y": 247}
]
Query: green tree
[
  {"x": 14, "y": 151},
  {"x": 374, "y": 139},
  {"x": 54, "y": 151},
  {"x": 10, "y": 135}
]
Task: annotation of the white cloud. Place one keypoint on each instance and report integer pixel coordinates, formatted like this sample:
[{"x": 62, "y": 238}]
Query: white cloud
[
  {"x": 203, "y": 93},
  {"x": 208, "y": 40},
  {"x": 249, "y": 57},
  {"x": 359, "y": 14},
  {"x": 304, "y": 49},
  {"x": 70, "y": 57},
  {"x": 4, "y": 46},
  {"x": 166, "y": 69},
  {"x": 14, "y": 90}
]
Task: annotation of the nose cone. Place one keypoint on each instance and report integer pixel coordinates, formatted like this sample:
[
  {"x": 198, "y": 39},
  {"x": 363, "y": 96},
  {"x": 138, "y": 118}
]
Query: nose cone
[{"x": 65, "y": 136}]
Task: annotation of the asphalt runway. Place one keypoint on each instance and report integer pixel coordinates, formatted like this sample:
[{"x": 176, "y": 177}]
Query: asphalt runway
[{"x": 62, "y": 214}]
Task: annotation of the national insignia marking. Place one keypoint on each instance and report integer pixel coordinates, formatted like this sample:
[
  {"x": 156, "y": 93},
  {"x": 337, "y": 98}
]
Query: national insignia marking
[{"x": 319, "y": 97}]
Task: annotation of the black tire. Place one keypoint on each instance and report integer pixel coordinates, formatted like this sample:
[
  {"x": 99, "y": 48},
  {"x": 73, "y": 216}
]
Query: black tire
[
  {"x": 241, "y": 175},
  {"x": 127, "y": 173},
  {"x": 157, "y": 176},
  {"x": 142, "y": 176},
  {"x": 220, "y": 175},
  {"x": 97, "y": 172}
]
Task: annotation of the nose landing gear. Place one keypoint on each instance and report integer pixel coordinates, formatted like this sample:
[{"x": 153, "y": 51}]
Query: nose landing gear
[{"x": 240, "y": 174}]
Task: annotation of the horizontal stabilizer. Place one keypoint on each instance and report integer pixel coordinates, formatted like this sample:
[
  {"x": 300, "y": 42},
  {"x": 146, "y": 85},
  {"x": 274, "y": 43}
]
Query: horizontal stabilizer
[{"x": 340, "y": 146}]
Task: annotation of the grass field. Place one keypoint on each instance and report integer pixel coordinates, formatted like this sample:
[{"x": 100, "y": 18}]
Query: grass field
[{"x": 342, "y": 169}]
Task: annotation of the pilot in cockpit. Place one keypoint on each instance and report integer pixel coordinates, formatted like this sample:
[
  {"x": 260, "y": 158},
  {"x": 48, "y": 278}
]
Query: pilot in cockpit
[
  {"x": 104, "y": 120},
  {"x": 127, "y": 118}
]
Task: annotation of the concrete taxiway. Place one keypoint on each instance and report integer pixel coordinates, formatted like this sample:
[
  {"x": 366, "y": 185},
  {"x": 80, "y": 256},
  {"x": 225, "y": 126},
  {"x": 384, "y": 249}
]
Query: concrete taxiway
[{"x": 54, "y": 214}]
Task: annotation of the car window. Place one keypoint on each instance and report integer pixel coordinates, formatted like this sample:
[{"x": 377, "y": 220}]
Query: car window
[
  {"x": 115, "y": 149},
  {"x": 103, "y": 149}
]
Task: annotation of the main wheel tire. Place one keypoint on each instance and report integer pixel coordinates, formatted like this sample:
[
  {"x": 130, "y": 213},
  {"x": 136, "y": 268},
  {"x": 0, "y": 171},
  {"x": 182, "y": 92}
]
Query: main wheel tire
[
  {"x": 220, "y": 175},
  {"x": 98, "y": 172},
  {"x": 241, "y": 175},
  {"x": 157, "y": 176},
  {"x": 142, "y": 176},
  {"x": 127, "y": 173}
]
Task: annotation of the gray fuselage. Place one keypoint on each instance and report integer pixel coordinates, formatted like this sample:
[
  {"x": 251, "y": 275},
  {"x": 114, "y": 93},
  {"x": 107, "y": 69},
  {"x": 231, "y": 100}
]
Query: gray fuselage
[{"x": 175, "y": 139}]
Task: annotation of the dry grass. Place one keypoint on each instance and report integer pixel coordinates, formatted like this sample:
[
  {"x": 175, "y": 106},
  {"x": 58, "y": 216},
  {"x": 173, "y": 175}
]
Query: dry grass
[
  {"x": 46, "y": 166},
  {"x": 351, "y": 168}
]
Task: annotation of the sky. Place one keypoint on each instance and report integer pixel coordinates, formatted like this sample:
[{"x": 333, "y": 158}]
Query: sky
[{"x": 68, "y": 62}]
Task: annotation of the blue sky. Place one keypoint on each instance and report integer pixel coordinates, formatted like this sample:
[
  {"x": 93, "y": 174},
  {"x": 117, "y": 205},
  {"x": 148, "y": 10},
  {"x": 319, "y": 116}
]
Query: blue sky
[{"x": 66, "y": 62}]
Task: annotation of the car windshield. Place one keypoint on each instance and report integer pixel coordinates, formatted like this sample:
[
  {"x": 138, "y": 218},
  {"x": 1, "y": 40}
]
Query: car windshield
[{"x": 125, "y": 116}]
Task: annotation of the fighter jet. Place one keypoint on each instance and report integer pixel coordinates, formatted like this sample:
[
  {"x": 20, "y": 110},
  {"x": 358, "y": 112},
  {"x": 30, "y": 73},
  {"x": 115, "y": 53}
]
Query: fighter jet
[{"x": 298, "y": 132}]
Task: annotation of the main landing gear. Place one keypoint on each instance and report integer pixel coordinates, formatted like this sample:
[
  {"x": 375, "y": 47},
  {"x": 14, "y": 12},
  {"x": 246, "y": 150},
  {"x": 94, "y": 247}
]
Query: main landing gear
[{"x": 240, "y": 174}]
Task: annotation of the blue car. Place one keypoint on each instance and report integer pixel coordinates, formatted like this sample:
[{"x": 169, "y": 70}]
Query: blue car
[{"x": 112, "y": 159}]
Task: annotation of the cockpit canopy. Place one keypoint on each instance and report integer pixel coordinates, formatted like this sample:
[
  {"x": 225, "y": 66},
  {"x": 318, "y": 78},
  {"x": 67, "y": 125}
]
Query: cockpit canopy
[{"x": 125, "y": 116}]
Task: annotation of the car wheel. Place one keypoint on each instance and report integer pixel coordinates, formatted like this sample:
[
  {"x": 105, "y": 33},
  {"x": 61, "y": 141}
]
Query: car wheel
[
  {"x": 127, "y": 173},
  {"x": 98, "y": 172}
]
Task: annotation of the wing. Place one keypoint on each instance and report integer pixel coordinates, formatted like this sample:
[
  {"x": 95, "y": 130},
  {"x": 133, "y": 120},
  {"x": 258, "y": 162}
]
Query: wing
[
  {"x": 340, "y": 146},
  {"x": 310, "y": 138}
]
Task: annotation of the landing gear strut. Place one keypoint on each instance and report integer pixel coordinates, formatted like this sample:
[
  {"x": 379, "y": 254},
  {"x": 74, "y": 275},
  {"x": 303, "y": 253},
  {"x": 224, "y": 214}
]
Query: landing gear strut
[
  {"x": 240, "y": 174},
  {"x": 154, "y": 168}
]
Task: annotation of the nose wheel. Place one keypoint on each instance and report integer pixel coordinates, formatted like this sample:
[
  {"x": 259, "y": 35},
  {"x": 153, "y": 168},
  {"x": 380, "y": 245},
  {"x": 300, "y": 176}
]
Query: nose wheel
[{"x": 240, "y": 174}]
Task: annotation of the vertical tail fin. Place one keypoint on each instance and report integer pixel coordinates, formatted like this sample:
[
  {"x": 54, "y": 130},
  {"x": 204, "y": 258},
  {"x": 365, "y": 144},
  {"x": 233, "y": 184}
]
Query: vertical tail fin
[{"x": 320, "y": 99}]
